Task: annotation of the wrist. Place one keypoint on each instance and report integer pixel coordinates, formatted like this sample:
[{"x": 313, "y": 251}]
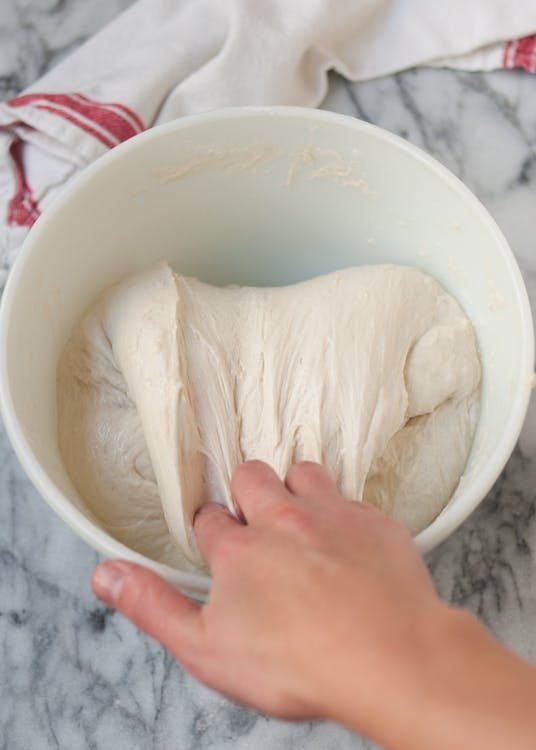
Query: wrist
[
  {"x": 451, "y": 685},
  {"x": 377, "y": 691}
]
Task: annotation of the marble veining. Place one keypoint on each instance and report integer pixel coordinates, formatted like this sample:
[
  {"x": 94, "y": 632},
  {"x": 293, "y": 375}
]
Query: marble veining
[{"x": 74, "y": 675}]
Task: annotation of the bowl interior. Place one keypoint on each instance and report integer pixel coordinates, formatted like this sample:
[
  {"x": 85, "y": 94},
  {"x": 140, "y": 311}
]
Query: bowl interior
[{"x": 260, "y": 197}]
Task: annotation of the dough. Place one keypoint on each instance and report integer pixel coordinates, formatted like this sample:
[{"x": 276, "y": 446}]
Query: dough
[{"x": 167, "y": 383}]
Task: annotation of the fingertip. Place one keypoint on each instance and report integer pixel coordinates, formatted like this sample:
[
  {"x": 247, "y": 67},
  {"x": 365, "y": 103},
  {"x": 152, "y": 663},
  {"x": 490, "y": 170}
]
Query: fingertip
[
  {"x": 207, "y": 510},
  {"x": 150, "y": 602},
  {"x": 255, "y": 487},
  {"x": 212, "y": 525},
  {"x": 251, "y": 473},
  {"x": 107, "y": 579}
]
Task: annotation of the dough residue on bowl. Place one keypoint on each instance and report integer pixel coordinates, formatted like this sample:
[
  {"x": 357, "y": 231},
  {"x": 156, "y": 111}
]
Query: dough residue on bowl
[{"x": 168, "y": 383}]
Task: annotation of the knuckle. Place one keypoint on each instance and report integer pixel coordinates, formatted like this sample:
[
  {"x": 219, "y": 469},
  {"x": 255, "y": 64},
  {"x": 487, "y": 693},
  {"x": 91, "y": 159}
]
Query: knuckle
[{"x": 295, "y": 520}]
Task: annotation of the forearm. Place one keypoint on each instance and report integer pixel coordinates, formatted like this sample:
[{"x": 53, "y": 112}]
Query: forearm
[{"x": 466, "y": 690}]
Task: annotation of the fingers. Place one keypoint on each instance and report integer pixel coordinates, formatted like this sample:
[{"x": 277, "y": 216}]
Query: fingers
[
  {"x": 213, "y": 524},
  {"x": 151, "y": 604},
  {"x": 310, "y": 480},
  {"x": 256, "y": 488}
]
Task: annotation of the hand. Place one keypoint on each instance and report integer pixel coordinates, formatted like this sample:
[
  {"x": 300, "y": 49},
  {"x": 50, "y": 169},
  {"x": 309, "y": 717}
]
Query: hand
[
  {"x": 312, "y": 584},
  {"x": 319, "y": 607}
]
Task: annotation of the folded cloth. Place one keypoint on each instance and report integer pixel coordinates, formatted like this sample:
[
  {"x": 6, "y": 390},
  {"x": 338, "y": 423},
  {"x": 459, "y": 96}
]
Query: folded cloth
[{"x": 162, "y": 59}]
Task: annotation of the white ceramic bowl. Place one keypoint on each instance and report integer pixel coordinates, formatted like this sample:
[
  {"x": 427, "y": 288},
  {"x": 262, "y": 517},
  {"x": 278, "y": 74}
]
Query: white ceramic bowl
[{"x": 259, "y": 196}]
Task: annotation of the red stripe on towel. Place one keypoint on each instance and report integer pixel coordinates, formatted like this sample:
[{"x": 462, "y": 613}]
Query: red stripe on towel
[
  {"x": 22, "y": 209},
  {"x": 129, "y": 112},
  {"x": 520, "y": 53},
  {"x": 119, "y": 123},
  {"x": 79, "y": 123}
]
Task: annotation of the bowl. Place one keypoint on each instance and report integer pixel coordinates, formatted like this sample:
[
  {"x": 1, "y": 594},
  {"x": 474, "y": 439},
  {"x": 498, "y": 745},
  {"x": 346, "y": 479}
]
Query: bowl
[{"x": 258, "y": 196}]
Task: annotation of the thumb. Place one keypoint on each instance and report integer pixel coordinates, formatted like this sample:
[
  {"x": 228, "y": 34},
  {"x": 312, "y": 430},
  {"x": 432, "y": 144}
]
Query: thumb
[{"x": 152, "y": 605}]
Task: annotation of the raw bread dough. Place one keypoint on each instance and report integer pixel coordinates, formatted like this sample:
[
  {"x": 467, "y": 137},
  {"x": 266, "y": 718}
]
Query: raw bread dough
[{"x": 167, "y": 383}]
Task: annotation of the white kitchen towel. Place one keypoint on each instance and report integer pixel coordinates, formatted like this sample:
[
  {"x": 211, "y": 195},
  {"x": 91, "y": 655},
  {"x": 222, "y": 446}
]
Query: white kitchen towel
[{"x": 162, "y": 59}]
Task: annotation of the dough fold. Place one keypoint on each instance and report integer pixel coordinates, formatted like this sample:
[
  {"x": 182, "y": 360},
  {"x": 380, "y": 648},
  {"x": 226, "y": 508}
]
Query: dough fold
[{"x": 167, "y": 383}]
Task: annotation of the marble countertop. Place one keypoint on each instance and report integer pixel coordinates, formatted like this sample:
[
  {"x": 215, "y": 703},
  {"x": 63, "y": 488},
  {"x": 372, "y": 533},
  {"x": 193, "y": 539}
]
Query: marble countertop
[{"x": 75, "y": 675}]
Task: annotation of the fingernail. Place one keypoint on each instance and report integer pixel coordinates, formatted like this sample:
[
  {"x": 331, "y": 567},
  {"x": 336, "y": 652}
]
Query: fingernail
[{"x": 108, "y": 579}]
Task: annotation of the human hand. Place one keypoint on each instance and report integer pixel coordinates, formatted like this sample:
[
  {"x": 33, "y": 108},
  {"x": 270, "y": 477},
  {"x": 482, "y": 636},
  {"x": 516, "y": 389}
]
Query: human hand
[
  {"x": 323, "y": 607},
  {"x": 312, "y": 588}
]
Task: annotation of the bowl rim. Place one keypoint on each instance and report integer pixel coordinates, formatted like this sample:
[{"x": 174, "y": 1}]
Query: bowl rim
[{"x": 198, "y": 584}]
